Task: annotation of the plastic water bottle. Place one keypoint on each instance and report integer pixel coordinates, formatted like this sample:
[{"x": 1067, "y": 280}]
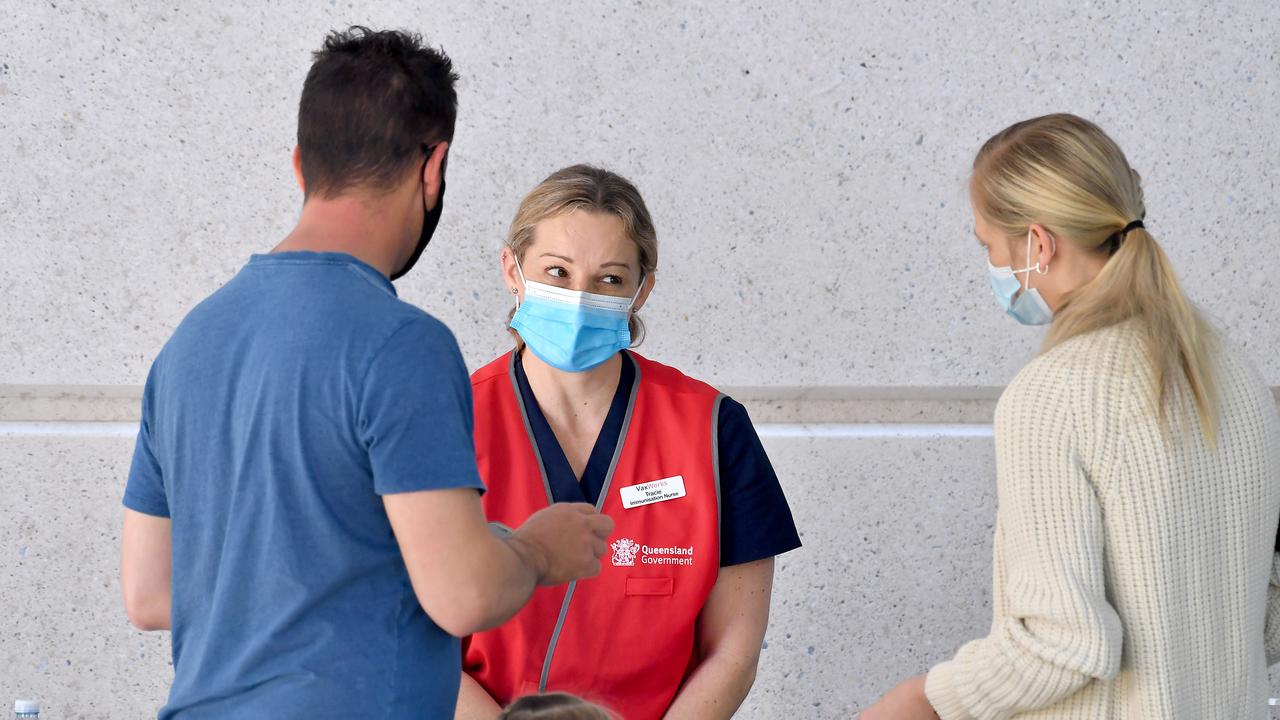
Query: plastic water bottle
[{"x": 26, "y": 710}]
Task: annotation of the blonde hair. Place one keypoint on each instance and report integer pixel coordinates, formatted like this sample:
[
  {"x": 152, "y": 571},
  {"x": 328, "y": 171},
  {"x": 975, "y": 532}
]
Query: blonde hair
[
  {"x": 1064, "y": 172},
  {"x": 594, "y": 189},
  {"x": 553, "y": 706}
]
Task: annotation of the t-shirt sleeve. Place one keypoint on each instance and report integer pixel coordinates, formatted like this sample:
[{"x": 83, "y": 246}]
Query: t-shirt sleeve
[
  {"x": 755, "y": 520},
  {"x": 144, "y": 491},
  {"x": 415, "y": 416}
]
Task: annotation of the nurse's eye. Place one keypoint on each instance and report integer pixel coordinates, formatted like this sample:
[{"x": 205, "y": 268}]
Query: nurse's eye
[
  {"x": 611, "y": 280},
  {"x": 556, "y": 271}
]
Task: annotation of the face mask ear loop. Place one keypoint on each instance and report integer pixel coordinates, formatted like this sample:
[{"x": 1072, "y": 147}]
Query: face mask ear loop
[
  {"x": 1036, "y": 268},
  {"x": 632, "y": 307},
  {"x": 1026, "y": 284},
  {"x": 1053, "y": 243},
  {"x": 523, "y": 282}
]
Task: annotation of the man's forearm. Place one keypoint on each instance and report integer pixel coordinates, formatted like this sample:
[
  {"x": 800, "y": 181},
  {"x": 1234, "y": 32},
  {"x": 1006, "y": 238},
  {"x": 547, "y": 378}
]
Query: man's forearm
[
  {"x": 518, "y": 567},
  {"x": 146, "y": 570}
]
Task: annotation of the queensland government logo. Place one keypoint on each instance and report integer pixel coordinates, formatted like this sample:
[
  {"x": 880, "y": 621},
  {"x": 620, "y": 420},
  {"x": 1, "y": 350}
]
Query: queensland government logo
[{"x": 624, "y": 552}]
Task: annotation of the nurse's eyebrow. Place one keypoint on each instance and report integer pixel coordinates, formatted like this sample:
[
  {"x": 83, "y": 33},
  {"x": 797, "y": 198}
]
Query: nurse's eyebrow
[{"x": 603, "y": 265}]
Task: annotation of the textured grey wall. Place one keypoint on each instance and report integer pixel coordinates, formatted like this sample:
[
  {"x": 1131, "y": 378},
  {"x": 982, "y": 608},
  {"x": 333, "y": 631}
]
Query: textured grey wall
[{"x": 805, "y": 163}]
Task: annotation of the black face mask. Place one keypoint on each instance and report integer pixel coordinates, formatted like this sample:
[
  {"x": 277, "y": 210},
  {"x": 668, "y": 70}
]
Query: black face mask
[{"x": 430, "y": 219}]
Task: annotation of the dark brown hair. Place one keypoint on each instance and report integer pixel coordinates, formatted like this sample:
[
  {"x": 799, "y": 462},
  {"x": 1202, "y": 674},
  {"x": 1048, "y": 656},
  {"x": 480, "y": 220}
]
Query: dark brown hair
[{"x": 371, "y": 101}]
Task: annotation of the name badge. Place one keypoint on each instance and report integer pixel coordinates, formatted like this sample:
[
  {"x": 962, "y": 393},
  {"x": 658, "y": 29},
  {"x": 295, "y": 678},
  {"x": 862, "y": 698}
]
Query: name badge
[{"x": 652, "y": 492}]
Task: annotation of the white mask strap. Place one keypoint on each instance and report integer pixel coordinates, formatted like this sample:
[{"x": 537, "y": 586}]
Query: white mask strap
[
  {"x": 634, "y": 298},
  {"x": 1035, "y": 268},
  {"x": 523, "y": 282}
]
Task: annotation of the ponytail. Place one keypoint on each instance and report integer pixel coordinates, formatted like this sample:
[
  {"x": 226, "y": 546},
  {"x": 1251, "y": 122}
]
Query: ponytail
[{"x": 1139, "y": 282}]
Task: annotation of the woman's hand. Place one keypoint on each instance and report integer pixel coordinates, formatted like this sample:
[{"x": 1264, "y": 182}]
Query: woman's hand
[{"x": 905, "y": 702}]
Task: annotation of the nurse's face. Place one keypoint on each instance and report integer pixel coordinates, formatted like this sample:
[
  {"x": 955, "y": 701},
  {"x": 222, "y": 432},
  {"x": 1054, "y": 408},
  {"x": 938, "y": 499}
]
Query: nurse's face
[{"x": 581, "y": 250}]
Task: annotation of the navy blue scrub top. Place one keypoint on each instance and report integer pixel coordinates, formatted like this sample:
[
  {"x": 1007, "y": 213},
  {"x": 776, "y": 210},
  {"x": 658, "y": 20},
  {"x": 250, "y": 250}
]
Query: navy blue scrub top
[{"x": 755, "y": 520}]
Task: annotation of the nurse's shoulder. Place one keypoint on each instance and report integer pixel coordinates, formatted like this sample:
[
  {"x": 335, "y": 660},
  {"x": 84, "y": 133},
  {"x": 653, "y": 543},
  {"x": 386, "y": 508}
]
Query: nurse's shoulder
[
  {"x": 496, "y": 370},
  {"x": 655, "y": 373}
]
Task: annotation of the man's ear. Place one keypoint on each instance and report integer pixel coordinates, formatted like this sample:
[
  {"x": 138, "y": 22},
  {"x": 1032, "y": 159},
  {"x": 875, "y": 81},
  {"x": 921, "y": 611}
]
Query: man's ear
[
  {"x": 297, "y": 170},
  {"x": 433, "y": 174},
  {"x": 650, "y": 279}
]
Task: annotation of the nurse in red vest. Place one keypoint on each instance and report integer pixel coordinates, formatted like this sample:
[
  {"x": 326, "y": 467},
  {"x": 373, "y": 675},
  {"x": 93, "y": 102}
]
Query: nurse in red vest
[{"x": 673, "y": 625}]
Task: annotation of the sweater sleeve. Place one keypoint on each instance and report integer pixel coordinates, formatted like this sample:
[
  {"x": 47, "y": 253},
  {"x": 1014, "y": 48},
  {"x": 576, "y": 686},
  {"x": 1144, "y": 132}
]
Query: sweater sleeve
[
  {"x": 1272, "y": 632},
  {"x": 1058, "y": 631}
]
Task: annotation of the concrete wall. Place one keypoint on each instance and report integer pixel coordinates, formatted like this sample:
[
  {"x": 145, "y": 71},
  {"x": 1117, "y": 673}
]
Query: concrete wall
[{"x": 805, "y": 163}]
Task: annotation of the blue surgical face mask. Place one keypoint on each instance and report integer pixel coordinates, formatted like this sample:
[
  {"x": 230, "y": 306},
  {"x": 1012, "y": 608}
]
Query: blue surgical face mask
[
  {"x": 572, "y": 330},
  {"x": 1028, "y": 308}
]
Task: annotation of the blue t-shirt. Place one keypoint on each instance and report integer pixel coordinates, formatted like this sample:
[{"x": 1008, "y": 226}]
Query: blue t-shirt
[{"x": 282, "y": 409}]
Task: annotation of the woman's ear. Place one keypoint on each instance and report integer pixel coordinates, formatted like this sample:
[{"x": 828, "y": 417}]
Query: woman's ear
[
  {"x": 649, "y": 280},
  {"x": 1044, "y": 246},
  {"x": 510, "y": 275}
]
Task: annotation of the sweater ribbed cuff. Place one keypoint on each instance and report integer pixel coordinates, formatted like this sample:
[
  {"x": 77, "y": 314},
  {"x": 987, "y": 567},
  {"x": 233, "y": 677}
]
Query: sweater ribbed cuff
[{"x": 940, "y": 689}]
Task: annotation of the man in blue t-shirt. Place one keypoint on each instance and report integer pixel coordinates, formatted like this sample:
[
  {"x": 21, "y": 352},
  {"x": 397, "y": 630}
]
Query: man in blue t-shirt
[{"x": 303, "y": 506}]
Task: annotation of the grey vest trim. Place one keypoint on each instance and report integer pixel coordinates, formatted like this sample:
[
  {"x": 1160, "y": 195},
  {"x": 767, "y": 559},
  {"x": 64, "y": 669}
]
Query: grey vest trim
[
  {"x": 528, "y": 428},
  {"x": 604, "y": 493},
  {"x": 715, "y": 467}
]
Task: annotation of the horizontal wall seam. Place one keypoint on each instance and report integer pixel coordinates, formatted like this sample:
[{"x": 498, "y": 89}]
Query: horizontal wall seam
[
  {"x": 846, "y": 411},
  {"x": 54, "y": 428},
  {"x": 872, "y": 430}
]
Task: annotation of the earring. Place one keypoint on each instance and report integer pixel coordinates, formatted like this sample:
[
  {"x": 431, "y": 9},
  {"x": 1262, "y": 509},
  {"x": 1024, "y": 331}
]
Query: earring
[{"x": 514, "y": 291}]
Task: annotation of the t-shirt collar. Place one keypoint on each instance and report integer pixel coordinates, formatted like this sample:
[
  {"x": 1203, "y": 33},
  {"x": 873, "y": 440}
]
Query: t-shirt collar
[{"x": 307, "y": 257}]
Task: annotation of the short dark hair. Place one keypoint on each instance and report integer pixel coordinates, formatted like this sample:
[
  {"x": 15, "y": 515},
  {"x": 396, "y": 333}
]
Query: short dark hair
[{"x": 371, "y": 100}]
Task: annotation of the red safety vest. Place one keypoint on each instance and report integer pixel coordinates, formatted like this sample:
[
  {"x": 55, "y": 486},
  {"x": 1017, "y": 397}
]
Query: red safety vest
[{"x": 623, "y": 639}]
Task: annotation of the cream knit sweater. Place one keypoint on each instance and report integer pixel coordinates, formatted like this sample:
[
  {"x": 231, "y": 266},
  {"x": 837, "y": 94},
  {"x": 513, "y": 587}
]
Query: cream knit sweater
[{"x": 1133, "y": 574}]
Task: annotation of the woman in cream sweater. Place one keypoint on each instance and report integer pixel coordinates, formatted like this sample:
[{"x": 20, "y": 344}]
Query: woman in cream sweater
[{"x": 1137, "y": 466}]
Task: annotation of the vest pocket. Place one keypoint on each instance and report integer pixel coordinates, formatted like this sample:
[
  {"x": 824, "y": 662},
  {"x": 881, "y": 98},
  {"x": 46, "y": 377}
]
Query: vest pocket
[{"x": 650, "y": 586}]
